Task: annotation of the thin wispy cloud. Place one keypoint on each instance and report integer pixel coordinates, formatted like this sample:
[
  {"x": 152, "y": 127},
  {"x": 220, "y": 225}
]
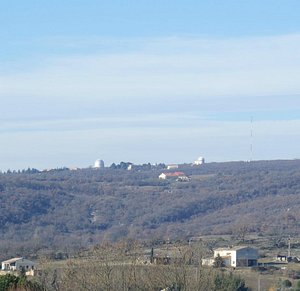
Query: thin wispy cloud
[
  {"x": 149, "y": 95},
  {"x": 193, "y": 68}
]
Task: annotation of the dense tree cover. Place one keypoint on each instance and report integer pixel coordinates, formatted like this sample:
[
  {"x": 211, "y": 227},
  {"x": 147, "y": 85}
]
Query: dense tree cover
[{"x": 64, "y": 210}]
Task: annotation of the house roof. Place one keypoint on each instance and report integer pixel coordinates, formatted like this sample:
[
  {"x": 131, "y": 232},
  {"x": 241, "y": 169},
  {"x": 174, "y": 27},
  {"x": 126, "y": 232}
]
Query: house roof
[
  {"x": 175, "y": 174},
  {"x": 232, "y": 248},
  {"x": 12, "y": 260}
]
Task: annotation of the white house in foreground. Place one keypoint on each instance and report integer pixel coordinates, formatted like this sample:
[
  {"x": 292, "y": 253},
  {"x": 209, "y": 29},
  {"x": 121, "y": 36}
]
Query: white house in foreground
[
  {"x": 17, "y": 264},
  {"x": 241, "y": 256}
]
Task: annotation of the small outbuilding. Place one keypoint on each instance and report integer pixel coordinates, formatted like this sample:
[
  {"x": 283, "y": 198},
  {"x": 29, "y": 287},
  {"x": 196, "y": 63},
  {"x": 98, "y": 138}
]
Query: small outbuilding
[
  {"x": 172, "y": 167},
  {"x": 281, "y": 258}
]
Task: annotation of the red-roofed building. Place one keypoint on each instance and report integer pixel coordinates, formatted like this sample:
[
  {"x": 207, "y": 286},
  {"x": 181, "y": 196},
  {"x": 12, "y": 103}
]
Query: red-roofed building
[{"x": 175, "y": 175}]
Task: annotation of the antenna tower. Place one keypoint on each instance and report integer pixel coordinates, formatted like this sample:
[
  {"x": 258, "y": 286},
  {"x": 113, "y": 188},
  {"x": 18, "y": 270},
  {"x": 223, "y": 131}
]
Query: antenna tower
[{"x": 251, "y": 139}]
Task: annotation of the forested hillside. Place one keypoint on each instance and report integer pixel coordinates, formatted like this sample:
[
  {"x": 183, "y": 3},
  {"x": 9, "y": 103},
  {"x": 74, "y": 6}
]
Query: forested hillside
[{"x": 63, "y": 210}]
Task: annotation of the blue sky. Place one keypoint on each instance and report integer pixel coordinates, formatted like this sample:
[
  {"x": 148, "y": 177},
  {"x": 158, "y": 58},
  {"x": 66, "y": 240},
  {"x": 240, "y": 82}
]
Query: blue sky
[{"x": 147, "y": 81}]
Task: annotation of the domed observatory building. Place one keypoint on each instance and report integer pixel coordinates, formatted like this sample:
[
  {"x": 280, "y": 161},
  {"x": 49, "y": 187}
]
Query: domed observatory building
[
  {"x": 99, "y": 164},
  {"x": 199, "y": 161}
]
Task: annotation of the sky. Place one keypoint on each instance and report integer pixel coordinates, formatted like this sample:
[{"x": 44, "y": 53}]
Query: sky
[{"x": 148, "y": 81}]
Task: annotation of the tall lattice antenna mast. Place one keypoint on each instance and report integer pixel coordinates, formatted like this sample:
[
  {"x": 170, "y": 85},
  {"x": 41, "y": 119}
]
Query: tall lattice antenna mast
[{"x": 251, "y": 139}]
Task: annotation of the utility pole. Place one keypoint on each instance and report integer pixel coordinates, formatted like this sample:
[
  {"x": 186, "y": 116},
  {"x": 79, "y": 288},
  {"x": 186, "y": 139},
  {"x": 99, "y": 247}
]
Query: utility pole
[
  {"x": 289, "y": 246},
  {"x": 152, "y": 256}
]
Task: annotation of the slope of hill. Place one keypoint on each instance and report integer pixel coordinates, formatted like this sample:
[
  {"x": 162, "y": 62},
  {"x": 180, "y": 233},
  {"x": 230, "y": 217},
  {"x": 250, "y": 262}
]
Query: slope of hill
[{"x": 66, "y": 209}]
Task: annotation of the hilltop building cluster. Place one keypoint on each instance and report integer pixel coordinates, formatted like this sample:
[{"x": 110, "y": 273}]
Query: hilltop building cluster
[{"x": 130, "y": 166}]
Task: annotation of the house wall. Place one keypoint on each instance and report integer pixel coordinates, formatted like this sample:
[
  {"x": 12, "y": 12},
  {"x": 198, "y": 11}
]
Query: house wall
[
  {"x": 18, "y": 265},
  {"x": 233, "y": 259},
  {"x": 24, "y": 264},
  {"x": 226, "y": 254},
  {"x": 162, "y": 176},
  {"x": 247, "y": 257},
  {"x": 2, "y": 266}
]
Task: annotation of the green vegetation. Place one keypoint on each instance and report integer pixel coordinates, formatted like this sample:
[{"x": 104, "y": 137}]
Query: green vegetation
[
  {"x": 224, "y": 282},
  {"x": 8, "y": 281},
  {"x": 286, "y": 283},
  {"x": 218, "y": 262},
  {"x": 11, "y": 282}
]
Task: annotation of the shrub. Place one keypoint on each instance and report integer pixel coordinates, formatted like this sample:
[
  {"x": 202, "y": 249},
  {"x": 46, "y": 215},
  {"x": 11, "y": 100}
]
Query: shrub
[
  {"x": 8, "y": 281},
  {"x": 219, "y": 262},
  {"x": 287, "y": 283}
]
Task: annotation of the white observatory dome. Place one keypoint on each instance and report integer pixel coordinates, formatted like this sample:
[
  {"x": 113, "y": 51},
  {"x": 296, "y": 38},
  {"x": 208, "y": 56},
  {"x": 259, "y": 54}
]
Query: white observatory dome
[
  {"x": 199, "y": 161},
  {"x": 99, "y": 164}
]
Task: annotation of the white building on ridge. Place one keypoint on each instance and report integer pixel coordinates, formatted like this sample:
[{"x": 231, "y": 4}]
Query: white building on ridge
[
  {"x": 99, "y": 164},
  {"x": 199, "y": 161},
  {"x": 172, "y": 167}
]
